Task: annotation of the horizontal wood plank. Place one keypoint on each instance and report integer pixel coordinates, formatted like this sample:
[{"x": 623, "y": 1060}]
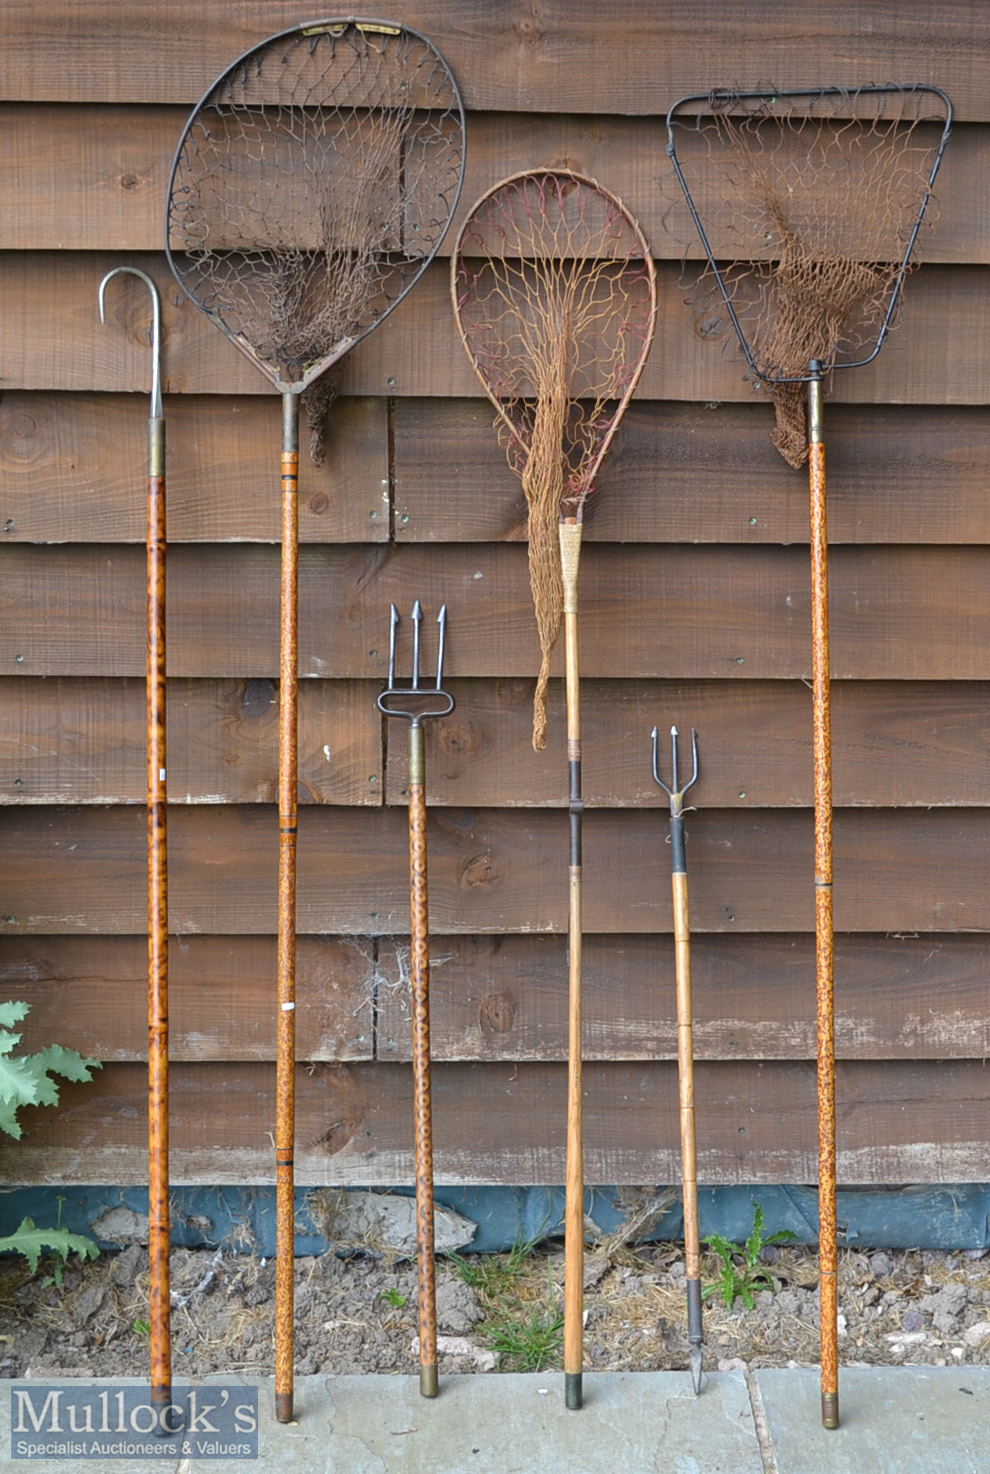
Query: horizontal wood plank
[
  {"x": 900, "y": 1121},
  {"x": 666, "y": 475},
  {"x": 905, "y": 613},
  {"x": 562, "y": 58},
  {"x": 53, "y": 340},
  {"x": 82, "y": 741},
  {"x": 92, "y": 993},
  {"x": 505, "y": 997},
  {"x": 72, "y": 741},
  {"x": 222, "y": 469},
  {"x": 893, "y": 744},
  {"x": 83, "y": 871},
  {"x": 706, "y": 473},
  {"x": 95, "y": 177}
]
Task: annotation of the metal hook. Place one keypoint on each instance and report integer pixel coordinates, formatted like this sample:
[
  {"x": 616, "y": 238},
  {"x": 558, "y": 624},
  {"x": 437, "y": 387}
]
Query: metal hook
[
  {"x": 444, "y": 703},
  {"x": 674, "y": 791},
  {"x": 156, "y": 330}
]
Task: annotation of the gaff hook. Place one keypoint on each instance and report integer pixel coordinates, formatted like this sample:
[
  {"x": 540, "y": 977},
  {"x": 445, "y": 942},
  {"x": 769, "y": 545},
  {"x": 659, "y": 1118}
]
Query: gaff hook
[
  {"x": 159, "y": 1235},
  {"x": 156, "y": 330}
]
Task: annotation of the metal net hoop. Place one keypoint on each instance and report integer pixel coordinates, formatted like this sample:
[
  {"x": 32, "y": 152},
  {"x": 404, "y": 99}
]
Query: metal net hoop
[
  {"x": 554, "y": 293},
  {"x": 312, "y": 186},
  {"x": 810, "y": 206}
]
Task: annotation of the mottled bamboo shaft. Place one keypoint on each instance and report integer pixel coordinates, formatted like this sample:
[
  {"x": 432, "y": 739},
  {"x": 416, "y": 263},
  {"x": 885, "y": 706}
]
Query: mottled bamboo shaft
[
  {"x": 422, "y": 1101},
  {"x": 570, "y": 551},
  {"x": 285, "y": 1102},
  {"x": 685, "y": 1081},
  {"x": 685, "y": 1072},
  {"x": 824, "y": 931},
  {"x": 158, "y": 1168}
]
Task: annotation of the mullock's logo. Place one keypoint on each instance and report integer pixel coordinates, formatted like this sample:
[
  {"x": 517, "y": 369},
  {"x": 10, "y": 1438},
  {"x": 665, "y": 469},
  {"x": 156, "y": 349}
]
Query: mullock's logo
[{"x": 80, "y": 1421}]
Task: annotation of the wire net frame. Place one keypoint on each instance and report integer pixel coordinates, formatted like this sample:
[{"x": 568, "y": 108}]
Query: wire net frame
[
  {"x": 554, "y": 292},
  {"x": 813, "y": 216},
  {"x": 809, "y": 205},
  {"x": 555, "y": 297},
  {"x": 311, "y": 188},
  {"x": 313, "y": 184}
]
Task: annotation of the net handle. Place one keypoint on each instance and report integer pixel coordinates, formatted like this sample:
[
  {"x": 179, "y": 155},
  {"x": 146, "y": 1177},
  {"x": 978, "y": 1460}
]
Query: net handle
[
  {"x": 335, "y": 26},
  {"x": 717, "y": 101},
  {"x": 587, "y": 182}
]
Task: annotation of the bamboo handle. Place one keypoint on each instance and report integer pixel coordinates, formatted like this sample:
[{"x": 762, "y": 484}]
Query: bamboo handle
[
  {"x": 824, "y": 927},
  {"x": 158, "y": 1061},
  {"x": 685, "y": 1063},
  {"x": 570, "y": 554},
  {"x": 422, "y": 1089},
  {"x": 287, "y": 827}
]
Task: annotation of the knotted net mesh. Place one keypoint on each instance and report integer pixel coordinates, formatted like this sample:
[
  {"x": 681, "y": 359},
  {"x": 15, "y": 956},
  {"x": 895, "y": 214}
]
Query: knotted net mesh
[
  {"x": 311, "y": 188},
  {"x": 555, "y": 297},
  {"x": 811, "y": 204}
]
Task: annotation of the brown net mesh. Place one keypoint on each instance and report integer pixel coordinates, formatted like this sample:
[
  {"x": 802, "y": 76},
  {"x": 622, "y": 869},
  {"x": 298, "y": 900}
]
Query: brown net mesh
[
  {"x": 312, "y": 186},
  {"x": 810, "y": 204},
  {"x": 555, "y": 297}
]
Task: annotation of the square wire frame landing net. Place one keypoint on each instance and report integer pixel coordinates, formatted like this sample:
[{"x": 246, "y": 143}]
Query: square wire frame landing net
[{"x": 811, "y": 207}]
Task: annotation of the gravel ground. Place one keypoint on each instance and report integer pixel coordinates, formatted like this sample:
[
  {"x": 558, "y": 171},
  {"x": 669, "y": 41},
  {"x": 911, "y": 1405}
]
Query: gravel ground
[{"x": 359, "y": 1314}]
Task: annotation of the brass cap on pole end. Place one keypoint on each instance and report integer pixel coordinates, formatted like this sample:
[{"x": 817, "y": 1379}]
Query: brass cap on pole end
[
  {"x": 573, "y": 1392},
  {"x": 161, "y": 1401},
  {"x": 429, "y": 1382},
  {"x": 830, "y": 1410},
  {"x": 283, "y": 1407}
]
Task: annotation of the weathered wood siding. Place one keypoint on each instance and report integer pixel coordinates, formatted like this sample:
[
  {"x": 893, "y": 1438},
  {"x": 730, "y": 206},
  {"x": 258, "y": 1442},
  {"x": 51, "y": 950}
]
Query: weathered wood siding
[{"x": 695, "y": 610}]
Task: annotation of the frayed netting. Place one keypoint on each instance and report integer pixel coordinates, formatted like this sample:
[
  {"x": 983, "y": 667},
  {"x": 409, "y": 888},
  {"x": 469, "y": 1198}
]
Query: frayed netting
[
  {"x": 316, "y": 401},
  {"x": 810, "y": 206},
  {"x": 813, "y": 298},
  {"x": 554, "y": 295}
]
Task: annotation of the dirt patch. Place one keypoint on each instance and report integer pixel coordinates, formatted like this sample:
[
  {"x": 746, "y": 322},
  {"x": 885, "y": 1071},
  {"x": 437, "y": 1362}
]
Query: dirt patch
[{"x": 359, "y": 1314}]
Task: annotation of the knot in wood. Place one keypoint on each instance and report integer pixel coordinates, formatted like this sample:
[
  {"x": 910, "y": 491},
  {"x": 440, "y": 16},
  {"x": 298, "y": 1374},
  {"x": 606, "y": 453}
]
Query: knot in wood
[
  {"x": 257, "y": 698},
  {"x": 481, "y": 870},
  {"x": 459, "y": 737},
  {"x": 497, "y": 1013}
]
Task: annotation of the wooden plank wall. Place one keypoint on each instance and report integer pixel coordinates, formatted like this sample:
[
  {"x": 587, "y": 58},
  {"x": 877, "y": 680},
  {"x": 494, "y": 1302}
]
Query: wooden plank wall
[{"x": 695, "y": 610}]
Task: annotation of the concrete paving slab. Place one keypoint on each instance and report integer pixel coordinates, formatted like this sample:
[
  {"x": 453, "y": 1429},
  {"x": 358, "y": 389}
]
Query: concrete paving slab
[
  {"x": 639, "y": 1423},
  {"x": 894, "y": 1420}
]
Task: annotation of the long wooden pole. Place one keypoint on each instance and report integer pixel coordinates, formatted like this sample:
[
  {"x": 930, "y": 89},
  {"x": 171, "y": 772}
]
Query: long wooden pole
[
  {"x": 159, "y": 1229},
  {"x": 422, "y": 1092},
  {"x": 824, "y": 929},
  {"x": 285, "y": 1084},
  {"x": 570, "y": 553},
  {"x": 685, "y": 1073}
]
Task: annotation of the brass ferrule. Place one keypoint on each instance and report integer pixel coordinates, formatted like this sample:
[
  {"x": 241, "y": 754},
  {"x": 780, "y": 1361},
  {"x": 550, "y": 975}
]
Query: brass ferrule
[
  {"x": 417, "y": 754},
  {"x": 816, "y": 433},
  {"x": 156, "y": 446}
]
